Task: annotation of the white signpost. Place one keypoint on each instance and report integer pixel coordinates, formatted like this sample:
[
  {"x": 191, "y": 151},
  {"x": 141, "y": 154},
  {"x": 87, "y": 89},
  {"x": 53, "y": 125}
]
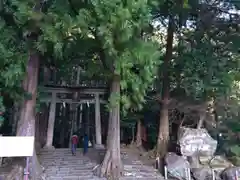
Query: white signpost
[{"x": 17, "y": 146}]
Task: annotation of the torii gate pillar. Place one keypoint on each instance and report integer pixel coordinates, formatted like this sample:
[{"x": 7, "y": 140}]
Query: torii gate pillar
[
  {"x": 51, "y": 122},
  {"x": 98, "y": 129}
]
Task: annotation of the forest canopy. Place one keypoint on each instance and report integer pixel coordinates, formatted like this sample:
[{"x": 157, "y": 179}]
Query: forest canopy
[{"x": 154, "y": 56}]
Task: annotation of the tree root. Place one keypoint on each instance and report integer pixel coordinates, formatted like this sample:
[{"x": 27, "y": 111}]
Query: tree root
[
  {"x": 36, "y": 170},
  {"x": 111, "y": 167},
  {"x": 152, "y": 153}
]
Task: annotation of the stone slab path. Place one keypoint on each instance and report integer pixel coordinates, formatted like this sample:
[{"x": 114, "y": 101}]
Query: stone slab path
[{"x": 59, "y": 164}]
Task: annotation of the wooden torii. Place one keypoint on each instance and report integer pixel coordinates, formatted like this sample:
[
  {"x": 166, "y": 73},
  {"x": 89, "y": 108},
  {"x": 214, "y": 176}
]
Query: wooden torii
[{"x": 93, "y": 97}]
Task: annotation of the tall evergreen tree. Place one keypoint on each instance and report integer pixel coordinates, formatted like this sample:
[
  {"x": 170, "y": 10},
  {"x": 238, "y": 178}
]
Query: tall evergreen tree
[{"x": 129, "y": 58}]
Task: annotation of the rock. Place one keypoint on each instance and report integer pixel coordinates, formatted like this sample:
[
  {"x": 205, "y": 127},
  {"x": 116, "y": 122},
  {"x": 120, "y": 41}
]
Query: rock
[
  {"x": 204, "y": 173},
  {"x": 205, "y": 160},
  {"x": 219, "y": 163},
  {"x": 194, "y": 161},
  {"x": 177, "y": 166},
  {"x": 196, "y": 141},
  {"x": 231, "y": 173}
]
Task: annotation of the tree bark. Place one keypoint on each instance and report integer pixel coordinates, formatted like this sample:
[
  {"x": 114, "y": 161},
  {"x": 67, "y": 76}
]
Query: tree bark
[
  {"x": 139, "y": 134},
  {"x": 163, "y": 135},
  {"x": 46, "y": 76},
  {"x": 26, "y": 125},
  {"x": 133, "y": 135},
  {"x": 37, "y": 132},
  {"x": 201, "y": 119},
  {"x": 111, "y": 166},
  {"x": 208, "y": 110},
  {"x": 109, "y": 133},
  {"x": 15, "y": 118}
]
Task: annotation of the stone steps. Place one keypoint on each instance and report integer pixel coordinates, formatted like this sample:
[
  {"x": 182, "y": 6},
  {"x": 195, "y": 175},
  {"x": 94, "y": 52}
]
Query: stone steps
[{"x": 59, "y": 164}]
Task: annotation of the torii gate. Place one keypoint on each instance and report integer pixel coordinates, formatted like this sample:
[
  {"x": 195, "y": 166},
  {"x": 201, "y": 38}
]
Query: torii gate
[{"x": 54, "y": 90}]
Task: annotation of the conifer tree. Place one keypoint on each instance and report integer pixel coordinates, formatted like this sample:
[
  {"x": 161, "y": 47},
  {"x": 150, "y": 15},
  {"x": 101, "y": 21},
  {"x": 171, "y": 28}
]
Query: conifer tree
[
  {"x": 129, "y": 58},
  {"x": 113, "y": 34}
]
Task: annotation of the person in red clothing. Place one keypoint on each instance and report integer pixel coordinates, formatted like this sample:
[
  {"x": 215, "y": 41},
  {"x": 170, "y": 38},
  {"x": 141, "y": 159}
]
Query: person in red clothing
[{"x": 74, "y": 143}]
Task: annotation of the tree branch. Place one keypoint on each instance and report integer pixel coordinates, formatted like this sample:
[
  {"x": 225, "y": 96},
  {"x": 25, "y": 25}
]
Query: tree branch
[{"x": 101, "y": 52}]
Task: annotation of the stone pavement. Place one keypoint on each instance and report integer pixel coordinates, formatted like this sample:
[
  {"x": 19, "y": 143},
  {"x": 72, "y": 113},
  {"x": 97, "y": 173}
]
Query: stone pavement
[{"x": 59, "y": 164}]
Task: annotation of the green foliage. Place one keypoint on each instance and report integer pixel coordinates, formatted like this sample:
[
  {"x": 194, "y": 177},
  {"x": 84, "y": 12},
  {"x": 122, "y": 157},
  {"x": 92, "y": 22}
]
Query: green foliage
[
  {"x": 110, "y": 38},
  {"x": 13, "y": 57},
  {"x": 103, "y": 35},
  {"x": 206, "y": 59},
  {"x": 131, "y": 119},
  {"x": 17, "y": 20},
  {"x": 228, "y": 124},
  {"x": 118, "y": 29},
  {"x": 206, "y": 54},
  {"x": 210, "y": 66}
]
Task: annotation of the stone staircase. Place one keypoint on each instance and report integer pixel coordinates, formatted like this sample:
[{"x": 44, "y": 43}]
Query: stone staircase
[{"x": 59, "y": 164}]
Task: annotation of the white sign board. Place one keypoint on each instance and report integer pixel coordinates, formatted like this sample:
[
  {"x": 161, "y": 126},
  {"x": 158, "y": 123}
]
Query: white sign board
[{"x": 16, "y": 146}]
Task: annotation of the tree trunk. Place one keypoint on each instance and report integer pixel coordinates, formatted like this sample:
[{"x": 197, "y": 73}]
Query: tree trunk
[
  {"x": 46, "y": 76},
  {"x": 208, "y": 110},
  {"x": 37, "y": 132},
  {"x": 201, "y": 119},
  {"x": 111, "y": 166},
  {"x": 163, "y": 135},
  {"x": 26, "y": 125},
  {"x": 109, "y": 133},
  {"x": 139, "y": 134},
  {"x": 15, "y": 118},
  {"x": 133, "y": 135}
]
